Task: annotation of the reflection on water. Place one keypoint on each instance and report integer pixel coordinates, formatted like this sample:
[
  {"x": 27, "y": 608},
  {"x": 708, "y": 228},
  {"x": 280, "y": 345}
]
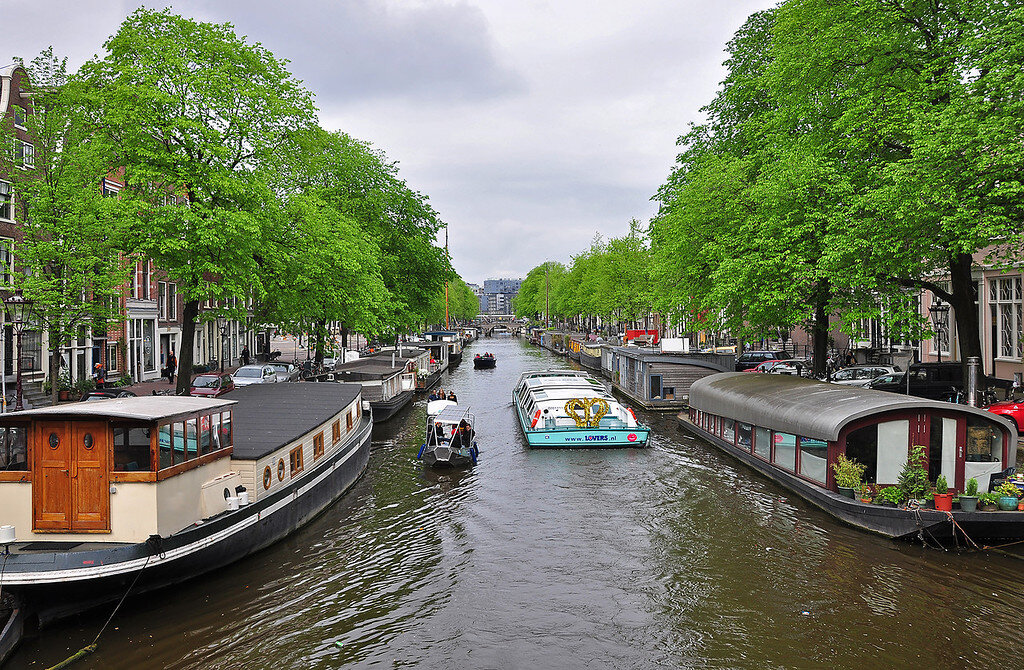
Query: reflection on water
[{"x": 671, "y": 556}]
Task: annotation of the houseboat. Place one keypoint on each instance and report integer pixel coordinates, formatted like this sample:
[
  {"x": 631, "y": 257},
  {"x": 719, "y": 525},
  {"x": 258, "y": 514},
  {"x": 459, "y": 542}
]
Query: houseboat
[
  {"x": 452, "y": 339},
  {"x": 793, "y": 429},
  {"x": 162, "y": 489},
  {"x": 573, "y": 347},
  {"x": 608, "y": 360},
  {"x": 590, "y": 356},
  {"x": 388, "y": 384},
  {"x": 450, "y": 439},
  {"x": 437, "y": 363},
  {"x": 661, "y": 381},
  {"x": 568, "y": 408}
]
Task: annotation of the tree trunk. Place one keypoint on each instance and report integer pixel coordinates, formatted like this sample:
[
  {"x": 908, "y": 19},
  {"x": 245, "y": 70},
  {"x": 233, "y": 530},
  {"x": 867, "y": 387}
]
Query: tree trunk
[
  {"x": 187, "y": 348},
  {"x": 965, "y": 306},
  {"x": 344, "y": 337},
  {"x": 819, "y": 335}
]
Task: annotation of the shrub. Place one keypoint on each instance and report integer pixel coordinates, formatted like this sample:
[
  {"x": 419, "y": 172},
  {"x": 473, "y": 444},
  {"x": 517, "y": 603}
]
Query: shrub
[
  {"x": 913, "y": 479},
  {"x": 848, "y": 472},
  {"x": 941, "y": 486},
  {"x": 891, "y": 494},
  {"x": 972, "y": 488}
]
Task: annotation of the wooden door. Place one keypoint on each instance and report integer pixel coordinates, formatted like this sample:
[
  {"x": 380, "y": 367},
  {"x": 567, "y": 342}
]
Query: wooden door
[
  {"x": 51, "y": 482},
  {"x": 90, "y": 488}
]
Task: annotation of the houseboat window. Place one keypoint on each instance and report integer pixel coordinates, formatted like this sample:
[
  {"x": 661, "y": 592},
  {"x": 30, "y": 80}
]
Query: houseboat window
[
  {"x": 295, "y": 458},
  {"x": 942, "y": 448},
  {"x": 813, "y": 459},
  {"x": 164, "y": 445},
  {"x": 205, "y": 435},
  {"x": 785, "y": 451},
  {"x": 131, "y": 449},
  {"x": 13, "y": 449},
  {"x": 215, "y": 430},
  {"x": 862, "y": 446},
  {"x": 729, "y": 431},
  {"x": 336, "y": 429},
  {"x": 984, "y": 441},
  {"x": 318, "y": 446},
  {"x": 192, "y": 439},
  {"x": 225, "y": 430},
  {"x": 178, "y": 442},
  {"x": 743, "y": 435},
  {"x": 763, "y": 443}
]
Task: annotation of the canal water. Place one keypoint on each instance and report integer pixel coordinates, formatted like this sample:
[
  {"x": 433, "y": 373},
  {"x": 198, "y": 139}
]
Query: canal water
[{"x": 674, "y": 556}]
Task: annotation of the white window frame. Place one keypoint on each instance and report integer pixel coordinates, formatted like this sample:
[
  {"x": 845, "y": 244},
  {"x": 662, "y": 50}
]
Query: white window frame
[
  {"x": 24, "y": 117},
  {"x": 9, "y": 195},
  {"x": 7, "y": 273},
  {"x": 161, "y": 299},
  {"x": 28, "y": 154},
  {"x": 172, "y": 301},
  {"x": 1005, "y": 299}
]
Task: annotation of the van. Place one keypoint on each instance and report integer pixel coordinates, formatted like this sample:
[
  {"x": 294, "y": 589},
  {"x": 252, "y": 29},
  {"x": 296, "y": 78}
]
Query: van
[{"x": 937, "y": 381}]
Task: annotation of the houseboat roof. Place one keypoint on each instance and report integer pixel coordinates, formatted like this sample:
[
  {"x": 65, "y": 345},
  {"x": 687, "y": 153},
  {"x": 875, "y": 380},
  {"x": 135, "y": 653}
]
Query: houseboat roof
[
  {"x": 807, "y": 407},
  {"x": 372, "y": 367},
  {"x": 269, "y": 416},
  {"x": 648, "y": 355},
  {"x": 141, "y": 408}
]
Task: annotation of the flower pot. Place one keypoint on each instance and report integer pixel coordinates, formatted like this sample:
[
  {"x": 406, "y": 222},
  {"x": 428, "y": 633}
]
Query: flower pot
[
  {"x": 969, "y": 503},
  {"x": 63, "y": 395},
  {"x": 989, "y": 507},
  {"x": 944, "y": 502},
  {"x": 1020, "y": 505},
  {"x": 866, "y": 499},
  {"x": 1007, "y": 503},
  {"x": 846, "y": 491}
]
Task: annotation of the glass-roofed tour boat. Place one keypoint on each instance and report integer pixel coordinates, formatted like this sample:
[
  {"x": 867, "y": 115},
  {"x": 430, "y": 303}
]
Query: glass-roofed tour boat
[{"x": 568, "y": 408}]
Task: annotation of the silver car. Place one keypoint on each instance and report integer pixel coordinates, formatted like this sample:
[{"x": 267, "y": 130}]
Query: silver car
[
  {"x": 861, "y": 375},
  {"x": 286, "y": 372},
  {"x": 255, "y": 374}
]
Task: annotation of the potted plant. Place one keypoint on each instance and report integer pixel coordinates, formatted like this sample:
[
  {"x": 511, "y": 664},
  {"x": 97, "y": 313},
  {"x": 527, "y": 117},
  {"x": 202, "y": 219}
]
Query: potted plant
[
  {"x": 913, "y": 479},
  {"x": 848, "y": 473},
  {"x": 890, "y": 496},
  {"x": 866, "y": 493},
  {"x": 969, "y": 498},
  {"x": 989, "y": 502},
  {"x": 943, "y": 498},
  {"x": 1008, "y": 495}
]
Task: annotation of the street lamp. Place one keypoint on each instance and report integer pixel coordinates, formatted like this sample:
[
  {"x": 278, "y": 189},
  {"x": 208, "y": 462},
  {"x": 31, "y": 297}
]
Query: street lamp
[
  {"x": 939, "y": 312},
  {"x": 223, "y": 336},
  {"x": 17, "y": 307}
]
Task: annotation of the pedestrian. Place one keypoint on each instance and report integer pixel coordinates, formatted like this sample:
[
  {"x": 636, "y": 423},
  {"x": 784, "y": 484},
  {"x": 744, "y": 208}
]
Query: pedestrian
[
  {"x": 850, "y": 360},
  {"x": 245, "y": 355},
  {"x": 100, "y": 373},
  {"x": 172, "y": 366}
]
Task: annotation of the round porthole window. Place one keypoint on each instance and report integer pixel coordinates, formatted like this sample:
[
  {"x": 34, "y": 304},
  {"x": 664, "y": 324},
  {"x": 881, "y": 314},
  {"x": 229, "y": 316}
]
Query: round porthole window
[
  {"x": 280, "y": 470},
  {"x": 87, "y": 441},
  {"x": 268, "y": 478},
  {"x": 54, "y": 440}
]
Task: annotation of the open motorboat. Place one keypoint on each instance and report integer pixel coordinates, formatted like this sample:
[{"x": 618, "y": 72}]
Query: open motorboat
[
  {"x": 450, "y": 439},
  {"x": 484, "y": 361}
]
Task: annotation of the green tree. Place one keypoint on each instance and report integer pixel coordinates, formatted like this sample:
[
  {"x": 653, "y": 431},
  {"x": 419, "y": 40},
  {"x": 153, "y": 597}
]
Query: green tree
[
  {"x": 194, "y": 109},
  {"x": 73, "y": 269}
]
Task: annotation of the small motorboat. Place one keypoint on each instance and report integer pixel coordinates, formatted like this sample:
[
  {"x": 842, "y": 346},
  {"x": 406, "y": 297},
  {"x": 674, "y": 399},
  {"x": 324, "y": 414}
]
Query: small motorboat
[
  {"x": 483, "y": 361},
  {"x": 450, "y": 439}
]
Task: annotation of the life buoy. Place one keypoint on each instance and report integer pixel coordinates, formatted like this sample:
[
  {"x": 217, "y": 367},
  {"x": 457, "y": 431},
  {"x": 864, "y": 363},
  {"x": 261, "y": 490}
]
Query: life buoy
[{"x": 536, "y": 418}]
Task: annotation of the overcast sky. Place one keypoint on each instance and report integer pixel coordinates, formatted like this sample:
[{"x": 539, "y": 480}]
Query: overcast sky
[{"x": 530, "y": 124}]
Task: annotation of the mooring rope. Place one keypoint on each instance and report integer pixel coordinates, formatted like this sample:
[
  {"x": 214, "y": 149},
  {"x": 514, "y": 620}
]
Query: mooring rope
[{"x": 90, "y": 648}]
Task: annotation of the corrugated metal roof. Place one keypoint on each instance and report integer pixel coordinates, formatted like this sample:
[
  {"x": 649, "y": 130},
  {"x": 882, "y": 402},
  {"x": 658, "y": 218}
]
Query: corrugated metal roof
[{"x": 807, "y": 407}]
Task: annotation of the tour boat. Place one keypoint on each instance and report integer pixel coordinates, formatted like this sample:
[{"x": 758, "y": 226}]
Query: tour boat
[
  {"x": 484, "y": 361},
  {"x": 793, "y": 429},
  {"x": 568, "y": 408},
  {"x": 450, "y": 439},
  {"x": 156, "y": 490}
]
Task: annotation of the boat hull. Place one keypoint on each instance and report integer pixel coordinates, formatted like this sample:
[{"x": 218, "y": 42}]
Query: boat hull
[
  {"x": 484, "y": 363},
  {"x": 430, "y": 381},
  {"x": 383, "y": 410},
  {"x": 67, "y": 583},
  {"x": 561, "y": 438},
  {"x": 447, "y": 458},
  {"x": 590, "y": 362},
  {"x": 922, "y": 524}
]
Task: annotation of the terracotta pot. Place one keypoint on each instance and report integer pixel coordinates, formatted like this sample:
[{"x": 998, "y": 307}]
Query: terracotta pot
[{"x": 63, "y": 395}]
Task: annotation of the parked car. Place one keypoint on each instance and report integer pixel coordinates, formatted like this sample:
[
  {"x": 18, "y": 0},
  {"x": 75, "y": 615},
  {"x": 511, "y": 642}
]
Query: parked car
[
  {"x": 937, "y": 381},
  {"x": 1013, "y": 409},
  {"x": 792, "y": 366},
  {"x": 263, "y": 373},
  {"x": 106, "y": 394},
  {"x": 211, "y": 385},
  {"x": 861, "y": 375},
  {"x": 767, "y": 366},
  {"x": 751, "y": 359},
  {"x": 286, "y": 372}
]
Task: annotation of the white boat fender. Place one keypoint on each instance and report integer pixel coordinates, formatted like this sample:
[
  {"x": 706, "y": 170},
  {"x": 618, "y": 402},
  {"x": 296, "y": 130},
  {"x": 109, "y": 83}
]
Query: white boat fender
[
  {"x": 232, "y": 503},
  {"x": 243, "y": 495}
]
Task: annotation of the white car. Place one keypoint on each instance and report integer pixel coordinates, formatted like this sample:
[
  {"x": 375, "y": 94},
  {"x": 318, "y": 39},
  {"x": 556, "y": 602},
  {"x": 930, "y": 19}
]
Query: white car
[
  {"x": 861, "y": 375},
  {"x": 254, "y": 374}
]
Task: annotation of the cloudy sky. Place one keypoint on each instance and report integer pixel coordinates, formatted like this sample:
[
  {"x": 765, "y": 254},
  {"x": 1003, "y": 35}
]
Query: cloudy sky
[{"x": 530, "y": 124}]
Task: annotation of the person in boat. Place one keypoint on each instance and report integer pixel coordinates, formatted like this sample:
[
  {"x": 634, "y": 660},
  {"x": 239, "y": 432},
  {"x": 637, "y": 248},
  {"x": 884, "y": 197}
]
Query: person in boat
[
  {"x": 439, "y": 433},
  {"x": 464, "y": 433},
  {"x": 452, "y": 397},
  {"x": 432, "y": 397}
]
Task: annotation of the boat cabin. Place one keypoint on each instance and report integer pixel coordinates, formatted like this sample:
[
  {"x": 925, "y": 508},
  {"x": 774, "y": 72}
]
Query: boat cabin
[
  {"x": 451, "y": 337},
  {"x": 656, "y": 380},
  {"x": 381, "y": 380},
  {"x": 800, "y": 426},
  {"x": 123, "y": 469}
]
